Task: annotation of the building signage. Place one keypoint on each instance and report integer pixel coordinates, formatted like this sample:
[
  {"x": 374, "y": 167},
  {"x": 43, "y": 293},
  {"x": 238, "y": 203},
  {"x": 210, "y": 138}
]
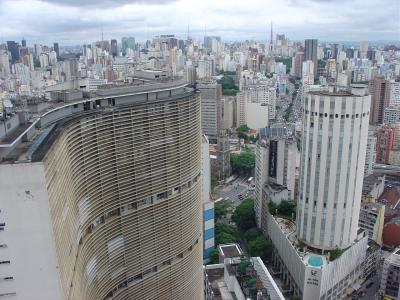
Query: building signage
[{"x": 273, "y": 158}]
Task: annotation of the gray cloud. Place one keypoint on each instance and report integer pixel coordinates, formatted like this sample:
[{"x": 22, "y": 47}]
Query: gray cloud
[
  {"x": 104, "y": 3},
  {"x": 73, "y": 21}
]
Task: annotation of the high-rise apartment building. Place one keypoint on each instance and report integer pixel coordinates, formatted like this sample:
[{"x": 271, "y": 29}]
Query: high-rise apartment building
[
  {"x": 297, "y": 63},
  {"x": 385, "y": 139},
  {"x": 205, "y": 69},
  {"x": 370, "y": 155},
  {"x": 379, "y": 89},
  {"x": 394, "y": 93},
  {"x": 103, "y": 201},
  {"x": 335, "y": 132},
  {"x": 311, "y": 52},
  {"x": 211, "y": 94}
]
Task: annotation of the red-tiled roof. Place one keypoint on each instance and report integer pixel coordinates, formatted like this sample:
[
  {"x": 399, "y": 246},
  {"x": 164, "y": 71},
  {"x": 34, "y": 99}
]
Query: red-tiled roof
[
  {"x": 391, "y": 197},
  {"x": 391, "y": 235}
]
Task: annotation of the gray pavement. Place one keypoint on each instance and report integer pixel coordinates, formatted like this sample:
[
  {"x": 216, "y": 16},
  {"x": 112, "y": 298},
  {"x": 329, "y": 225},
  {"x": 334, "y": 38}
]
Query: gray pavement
[{"x": 233, "y": 190}]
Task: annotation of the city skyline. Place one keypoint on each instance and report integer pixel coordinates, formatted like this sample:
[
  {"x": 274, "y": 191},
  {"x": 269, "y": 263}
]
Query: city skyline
[{"x": 71, "y": 22}]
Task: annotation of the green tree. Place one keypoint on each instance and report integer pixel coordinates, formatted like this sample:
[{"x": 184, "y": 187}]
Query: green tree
[
  {"x": 221, "y": 208},
  {"x": 252, "y": 234},
  {"x": 243, "y": 128},
  {"x": 287, "y": 208},
  {"x": 335, "y": 253},
  {"x": 260, "y": 247},
  {"x": 225, "y": 234},
  {"x": 244, "y": 215},
  {"x": 214, "y": 256},
  {"x": 243, "y": 163},
  {"x": 228, "y": 86},
  {"x": 225, "y": 238}
]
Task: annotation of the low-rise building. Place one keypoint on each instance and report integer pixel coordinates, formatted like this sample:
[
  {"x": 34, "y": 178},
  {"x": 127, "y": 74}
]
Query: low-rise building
[
  {"x": 390, "y": 282},
  {"x": 239, "y": 277},
  {"x": 372, "y": 219}
]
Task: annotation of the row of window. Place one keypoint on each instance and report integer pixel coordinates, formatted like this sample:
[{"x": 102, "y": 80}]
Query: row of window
[
  {"x": 336, "y": 116},
  {"x": 137, "y": 205},
  {"x": 154, "y": 269}
]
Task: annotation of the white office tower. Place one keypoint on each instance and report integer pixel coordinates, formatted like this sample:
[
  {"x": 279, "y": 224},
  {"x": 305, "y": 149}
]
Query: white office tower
[
  {"x": 334, "y": 138},
  {"x": 307, "y": 72},
  {"x": 335, "y": 131},
  {"x": 44, "y": 60}
]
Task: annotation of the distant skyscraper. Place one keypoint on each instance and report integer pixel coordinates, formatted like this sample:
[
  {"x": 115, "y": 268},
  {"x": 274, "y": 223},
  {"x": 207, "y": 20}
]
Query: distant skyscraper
[
  {"x": 380, "y": 99},
  {"x": 13, "y": 47},
  {"x": 127, "y": 43},
  {"x": 4, "y": 63},
  {"x": 56, "y": 49},
  {"x": 23, "y": 43},
  {"x": 114, "y": 48},
  {"x": 311, "y": 53},
  {"x": 297, "y": 64},
  {"x": 335, "y": 51},
  {"x": 335, "y": 131},
  {"x": 208, "y": 40}
]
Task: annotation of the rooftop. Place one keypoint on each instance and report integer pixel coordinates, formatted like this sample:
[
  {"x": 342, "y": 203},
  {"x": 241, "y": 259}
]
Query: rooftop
[
  {"x": 30, "y": 141},
  {"x": 242, "y": 278},
  {"x": 230, "y": 250}
]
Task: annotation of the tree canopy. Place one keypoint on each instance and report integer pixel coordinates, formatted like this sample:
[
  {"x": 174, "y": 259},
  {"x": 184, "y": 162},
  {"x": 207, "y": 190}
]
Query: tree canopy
[
  {"x": 228, "y": 86},
  {"x": 286, "y": 208},
  {"x": 243, "y": 163},
  {"x": 244, "y": 215}
]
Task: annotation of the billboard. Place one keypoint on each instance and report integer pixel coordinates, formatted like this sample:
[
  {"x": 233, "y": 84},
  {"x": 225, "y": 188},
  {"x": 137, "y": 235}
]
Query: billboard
[{"x": 273, "y": 158}]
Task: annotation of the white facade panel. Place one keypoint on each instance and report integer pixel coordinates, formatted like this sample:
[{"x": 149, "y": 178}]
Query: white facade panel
[{"x": 27, "y": 234}]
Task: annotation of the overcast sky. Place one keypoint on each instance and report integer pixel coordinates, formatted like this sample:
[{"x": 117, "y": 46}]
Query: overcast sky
[{"x": 72, "y": 22}]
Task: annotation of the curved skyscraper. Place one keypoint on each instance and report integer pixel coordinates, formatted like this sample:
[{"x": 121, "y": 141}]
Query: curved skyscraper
[
  {"x": 335, "y": 130},
  {"x": 110, "y": 198}
]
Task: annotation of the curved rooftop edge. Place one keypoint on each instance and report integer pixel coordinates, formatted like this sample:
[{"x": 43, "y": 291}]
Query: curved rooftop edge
[{"x": 101, "y": 100}]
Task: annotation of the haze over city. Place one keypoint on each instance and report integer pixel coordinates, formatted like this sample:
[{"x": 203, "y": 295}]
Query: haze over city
[{"x": 73, "y": 22}]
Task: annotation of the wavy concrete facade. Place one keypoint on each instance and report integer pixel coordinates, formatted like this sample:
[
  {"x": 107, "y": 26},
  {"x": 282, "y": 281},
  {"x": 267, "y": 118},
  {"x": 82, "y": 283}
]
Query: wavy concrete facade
[
  {"x": 122, "y": 175},
  {"x": 124, "y": 189}
]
